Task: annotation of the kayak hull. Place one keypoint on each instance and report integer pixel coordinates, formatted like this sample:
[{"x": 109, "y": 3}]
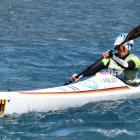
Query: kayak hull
[{"x": 63, "y": 97}]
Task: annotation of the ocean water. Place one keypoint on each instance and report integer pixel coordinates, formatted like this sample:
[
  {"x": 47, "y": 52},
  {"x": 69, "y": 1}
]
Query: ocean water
[{"x": 42, "y": 43}]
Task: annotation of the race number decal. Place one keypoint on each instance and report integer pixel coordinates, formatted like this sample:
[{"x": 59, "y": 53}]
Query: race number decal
[
  {"x": 2, "y": 106},
  {"x": 109, "y": 80}
]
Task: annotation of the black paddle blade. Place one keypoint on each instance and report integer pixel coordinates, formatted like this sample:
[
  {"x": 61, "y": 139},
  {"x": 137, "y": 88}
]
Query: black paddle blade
[{"x": 132, "y": 35}]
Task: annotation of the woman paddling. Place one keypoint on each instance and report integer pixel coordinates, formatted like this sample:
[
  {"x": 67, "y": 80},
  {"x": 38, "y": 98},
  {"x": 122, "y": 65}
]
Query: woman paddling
[{"x": 122, "y": 64}]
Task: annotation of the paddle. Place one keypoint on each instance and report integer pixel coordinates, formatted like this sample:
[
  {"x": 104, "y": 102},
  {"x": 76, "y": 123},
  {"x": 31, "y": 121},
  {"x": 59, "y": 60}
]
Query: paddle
[{"x": 133, "y": 34}]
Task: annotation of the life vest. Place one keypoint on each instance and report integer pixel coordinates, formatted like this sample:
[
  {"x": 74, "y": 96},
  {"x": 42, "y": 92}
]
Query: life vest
[{"x": 126, "y": 75}]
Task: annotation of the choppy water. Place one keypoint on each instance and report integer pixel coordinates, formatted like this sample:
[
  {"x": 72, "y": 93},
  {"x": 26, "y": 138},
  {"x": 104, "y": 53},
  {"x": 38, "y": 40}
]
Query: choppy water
[{"x": 42, "y": 43}]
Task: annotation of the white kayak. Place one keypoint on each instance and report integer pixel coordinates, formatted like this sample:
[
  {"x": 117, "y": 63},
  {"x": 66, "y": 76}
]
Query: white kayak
[{"x": 102, "y": 86}]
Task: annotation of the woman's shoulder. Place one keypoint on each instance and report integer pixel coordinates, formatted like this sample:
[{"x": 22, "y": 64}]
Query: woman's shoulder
[{"x": 133, "y": 56}]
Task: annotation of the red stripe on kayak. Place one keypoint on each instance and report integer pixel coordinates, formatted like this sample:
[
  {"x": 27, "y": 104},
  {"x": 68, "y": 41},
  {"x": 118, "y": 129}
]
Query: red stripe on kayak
[{"x": 78, "y": 92}]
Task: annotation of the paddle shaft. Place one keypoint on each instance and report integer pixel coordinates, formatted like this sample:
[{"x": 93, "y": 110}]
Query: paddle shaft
[{"x": 81, "y": 73}]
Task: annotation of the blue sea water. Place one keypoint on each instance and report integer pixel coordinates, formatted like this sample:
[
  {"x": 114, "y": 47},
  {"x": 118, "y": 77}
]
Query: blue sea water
[{"x": 42, "y": 43}]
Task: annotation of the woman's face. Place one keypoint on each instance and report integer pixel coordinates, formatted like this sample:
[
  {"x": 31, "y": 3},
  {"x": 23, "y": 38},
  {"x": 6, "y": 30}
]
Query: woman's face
[{"x": 122, "y": 51}]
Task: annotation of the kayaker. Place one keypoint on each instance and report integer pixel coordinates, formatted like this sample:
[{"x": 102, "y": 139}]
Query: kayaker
[{"x": 122, "y": 64}]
